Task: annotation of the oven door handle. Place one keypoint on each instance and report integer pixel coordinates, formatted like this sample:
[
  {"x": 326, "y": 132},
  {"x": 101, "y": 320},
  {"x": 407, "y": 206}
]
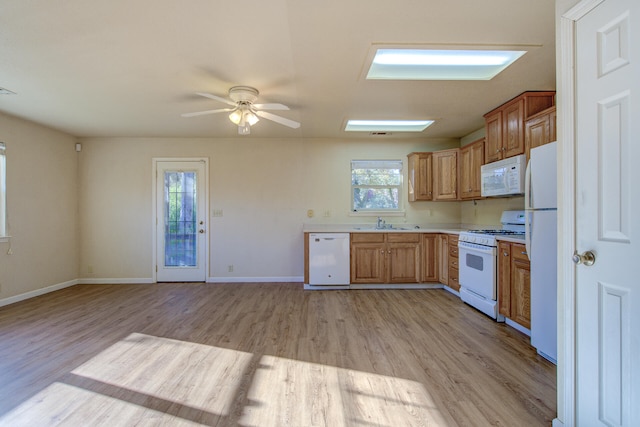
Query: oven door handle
[{"x": 472, "y": 247}]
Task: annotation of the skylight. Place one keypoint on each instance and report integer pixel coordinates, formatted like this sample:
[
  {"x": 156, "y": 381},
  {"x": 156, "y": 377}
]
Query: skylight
[
  {"x": 431, "y": 64},
  {"x": 387, "y": 125}
]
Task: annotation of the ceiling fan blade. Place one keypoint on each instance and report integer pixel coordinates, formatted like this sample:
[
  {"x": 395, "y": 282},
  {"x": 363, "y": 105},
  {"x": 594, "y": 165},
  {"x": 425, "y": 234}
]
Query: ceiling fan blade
[
  {"x": 202, "y": 113},
  {"x": 290, "y": 123},
  {"x": 216, "y": 98},
  {"x": 271, "y": 106}
]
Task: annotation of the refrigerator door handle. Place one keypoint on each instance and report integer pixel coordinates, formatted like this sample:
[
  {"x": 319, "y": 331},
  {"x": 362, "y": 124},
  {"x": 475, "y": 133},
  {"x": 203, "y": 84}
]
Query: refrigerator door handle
[
  {"x": 527, "y": 186},
  {"x": 528, "y": 228}
]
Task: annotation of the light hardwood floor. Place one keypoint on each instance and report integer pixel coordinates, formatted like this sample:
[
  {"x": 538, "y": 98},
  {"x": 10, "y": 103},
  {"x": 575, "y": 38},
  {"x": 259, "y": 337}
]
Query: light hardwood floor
[{"x": 265, "y": 355}]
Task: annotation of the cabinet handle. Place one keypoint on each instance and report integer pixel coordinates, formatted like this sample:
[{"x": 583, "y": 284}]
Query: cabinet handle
[
  {"x": 498, "y": 150},
  {"x": 505, "y": 254},
  {"x": 523, "y": 252},
  {"x": 389, "y": 252}
]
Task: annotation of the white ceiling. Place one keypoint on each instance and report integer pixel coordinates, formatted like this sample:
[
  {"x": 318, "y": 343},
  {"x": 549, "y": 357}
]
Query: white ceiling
[{"x": 130, "y": 68}]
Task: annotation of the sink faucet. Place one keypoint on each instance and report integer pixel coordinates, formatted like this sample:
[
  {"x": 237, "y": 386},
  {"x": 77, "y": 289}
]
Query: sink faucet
[{"x": 380, "y": 223}]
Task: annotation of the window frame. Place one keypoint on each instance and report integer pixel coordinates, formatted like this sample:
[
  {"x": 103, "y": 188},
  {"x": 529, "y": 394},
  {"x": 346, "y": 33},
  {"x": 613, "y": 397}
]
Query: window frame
[{"x": 378, "y": 164}]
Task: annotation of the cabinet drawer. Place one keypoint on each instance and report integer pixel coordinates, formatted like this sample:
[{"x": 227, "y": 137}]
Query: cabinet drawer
[
  {"x": 403, "y": 237},
  {"x": 453, "y": 278},
  {"x": 453, "y": 250},
  {"x": 367, "y": 237},
  {"x": 453, "y": 263}
]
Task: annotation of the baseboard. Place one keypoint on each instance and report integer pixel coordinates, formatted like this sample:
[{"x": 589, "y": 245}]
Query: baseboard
[
  {"x": 451, "y": 290},
  {"x": 286, "y": 279},
  {"x": 93, "y": 281},
  {"x": 37, "y": 292},
  {"x": 517, "y": 326}
]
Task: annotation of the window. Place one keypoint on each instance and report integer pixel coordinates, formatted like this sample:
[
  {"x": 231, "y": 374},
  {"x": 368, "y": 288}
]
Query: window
[
  {"x": 3, "y": 191},
  {"x": 376, "y": 185}
]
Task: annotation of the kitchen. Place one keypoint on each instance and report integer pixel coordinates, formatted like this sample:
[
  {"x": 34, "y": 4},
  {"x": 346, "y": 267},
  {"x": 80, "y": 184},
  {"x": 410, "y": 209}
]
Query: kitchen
[{"x": 488, "y": 269}]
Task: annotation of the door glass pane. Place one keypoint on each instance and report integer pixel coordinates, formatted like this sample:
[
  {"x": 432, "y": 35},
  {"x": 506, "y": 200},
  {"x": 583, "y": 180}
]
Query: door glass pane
[{"x": 180, "y": 216}]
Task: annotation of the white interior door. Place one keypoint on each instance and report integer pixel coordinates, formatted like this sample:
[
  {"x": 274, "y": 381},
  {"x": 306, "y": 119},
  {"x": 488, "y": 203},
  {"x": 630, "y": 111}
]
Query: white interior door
[
  {"x": 181, "y": 232},
  {"x": 607, "y": 195}
]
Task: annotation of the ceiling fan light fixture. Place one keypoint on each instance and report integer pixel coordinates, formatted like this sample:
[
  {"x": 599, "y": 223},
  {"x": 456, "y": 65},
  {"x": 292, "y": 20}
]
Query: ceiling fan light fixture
[
  {"x": 235, "y": 116},
  {"x": 244, "y": 129},
  {"x": 250, "y": 118}
]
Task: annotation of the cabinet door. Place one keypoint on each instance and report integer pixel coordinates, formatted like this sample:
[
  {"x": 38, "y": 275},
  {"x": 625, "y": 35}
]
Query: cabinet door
[
  {"x": 403, "y": 262},
  {"x": 537, "y": 132},
  {"x": 471, "y": 159},
  {"x": 430, "y": 257},
  {"x": 420, "y": 177},
  {"x": 493, "y": 137},
  {"x": 520, "y": 286},
  {"x": 445, "y": 172},
  {"x": 368, "y": 263},
  {"x": 443, "y": 259},
  {"x": 513, "y": 129},
  {"x": 504, "y": 279}
]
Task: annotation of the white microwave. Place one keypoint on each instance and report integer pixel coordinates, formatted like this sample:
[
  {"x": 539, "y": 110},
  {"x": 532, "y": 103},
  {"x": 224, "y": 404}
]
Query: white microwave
[{"x": 504, "y": 177}]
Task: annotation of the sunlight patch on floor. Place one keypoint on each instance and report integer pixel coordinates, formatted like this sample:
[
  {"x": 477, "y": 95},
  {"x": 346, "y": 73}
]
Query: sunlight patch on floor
[
  {"x": 151, "y": 380},
  {"x": 141, "y": 377},
  {"x": 294, "y": 393}
]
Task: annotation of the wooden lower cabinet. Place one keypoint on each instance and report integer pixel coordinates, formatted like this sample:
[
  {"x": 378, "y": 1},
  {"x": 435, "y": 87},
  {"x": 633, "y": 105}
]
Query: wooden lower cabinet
[
  {"x": 514, "y": 283},
  {"x": 430, "y": 249},
  {"x": 378, "y": 258},
  {"x": 454, "y": 266},
  {"x": 443, "y": 259}
]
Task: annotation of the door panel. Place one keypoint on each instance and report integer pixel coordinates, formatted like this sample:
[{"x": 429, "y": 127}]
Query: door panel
[
  {"x": 607, "y": 293},
  {"x": 180, "y": 221}
]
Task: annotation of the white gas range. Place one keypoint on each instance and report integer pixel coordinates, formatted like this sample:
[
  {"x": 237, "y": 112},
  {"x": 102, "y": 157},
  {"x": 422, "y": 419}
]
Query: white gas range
[{"x": 478, "y": 262}]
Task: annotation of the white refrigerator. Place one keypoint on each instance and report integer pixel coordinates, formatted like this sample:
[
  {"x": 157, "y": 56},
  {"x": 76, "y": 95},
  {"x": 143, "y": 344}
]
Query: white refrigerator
[{"x": 542, "y": 247}]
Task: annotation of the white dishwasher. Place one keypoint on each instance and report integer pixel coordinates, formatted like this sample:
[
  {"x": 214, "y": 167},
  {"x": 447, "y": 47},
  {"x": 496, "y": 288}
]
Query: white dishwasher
[{"x": 328, "y": 258}]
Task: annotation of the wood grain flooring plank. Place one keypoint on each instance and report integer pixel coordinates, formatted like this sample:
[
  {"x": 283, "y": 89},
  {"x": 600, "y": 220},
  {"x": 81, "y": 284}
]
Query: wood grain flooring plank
[{"x": 265, "y": 354}]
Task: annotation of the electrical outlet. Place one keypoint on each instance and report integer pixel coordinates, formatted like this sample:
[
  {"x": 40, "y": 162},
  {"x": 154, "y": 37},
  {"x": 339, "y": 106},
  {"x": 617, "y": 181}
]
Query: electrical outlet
[
  {"x": 230, "y": 268},
  {"x": 310, "y": 213}
]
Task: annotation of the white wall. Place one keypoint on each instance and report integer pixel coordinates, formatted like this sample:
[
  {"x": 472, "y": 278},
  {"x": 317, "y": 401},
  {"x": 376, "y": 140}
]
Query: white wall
[
  {"x": 263, "y": 186},
  {"x": 42, "y": 209}
]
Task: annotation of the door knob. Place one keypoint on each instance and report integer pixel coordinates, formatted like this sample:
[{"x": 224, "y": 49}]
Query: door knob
[{"x": 588, "y": 258}]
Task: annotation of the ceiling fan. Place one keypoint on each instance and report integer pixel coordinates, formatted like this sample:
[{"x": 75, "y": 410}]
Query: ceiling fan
[{"x": 244, "y": 112}]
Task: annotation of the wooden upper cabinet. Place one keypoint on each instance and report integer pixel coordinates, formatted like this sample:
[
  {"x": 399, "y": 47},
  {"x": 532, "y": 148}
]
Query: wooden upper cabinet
[
  {"x": 445, "y": 174},
  {"x": 540, "y": 129},
  {"x": 420, "y": 176},
  {"x": 505, "y": 125},
  {"x": 493, "y": 136},
  {"x": 471, "y": 160},
  {"x": 513, "y": 129}
]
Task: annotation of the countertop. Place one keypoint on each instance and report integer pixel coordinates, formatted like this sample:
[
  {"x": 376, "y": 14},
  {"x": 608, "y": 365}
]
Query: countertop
[
  {"x": 401, "y": 228},
  {"x": 394, "y": 228}
]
